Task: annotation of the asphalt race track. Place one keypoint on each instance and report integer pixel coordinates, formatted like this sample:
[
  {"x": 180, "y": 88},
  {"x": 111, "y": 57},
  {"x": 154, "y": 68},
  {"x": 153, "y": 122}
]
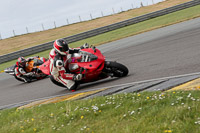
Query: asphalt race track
[{"x": 169, "y": 51}]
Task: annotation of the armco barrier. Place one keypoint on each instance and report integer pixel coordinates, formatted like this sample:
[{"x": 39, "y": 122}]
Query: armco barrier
[{"x": 91, "y": 33}]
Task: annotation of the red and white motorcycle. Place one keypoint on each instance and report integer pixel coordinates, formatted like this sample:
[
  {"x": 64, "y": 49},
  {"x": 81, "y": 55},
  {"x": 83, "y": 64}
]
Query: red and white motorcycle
[{"x": 92, "y": 64}]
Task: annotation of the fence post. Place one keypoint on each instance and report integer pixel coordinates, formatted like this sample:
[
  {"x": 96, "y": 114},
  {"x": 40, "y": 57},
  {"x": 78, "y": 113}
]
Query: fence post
[
  {"x": 80, "y": 18},
  {"x": 102, "y": 13},
  {"x": 0, "y": 37},
  {"x": 67, "y": 21},
  {"x": 43, "y": 27},
  {"x": 27, "y": 30},
  {"x": 113, "y": 10},
  {"x": 14, "y": 32},
  {"x": 91, "y": 16},
  {"x": 54, "y": 24},
  {"x": 141, "y": 4},
  {"x": 132, "y": 6}
]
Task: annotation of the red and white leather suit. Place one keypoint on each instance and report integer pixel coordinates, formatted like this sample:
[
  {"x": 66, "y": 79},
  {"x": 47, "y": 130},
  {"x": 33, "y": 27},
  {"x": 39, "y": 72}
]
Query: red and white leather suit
[{"x": 58, "y": 63}]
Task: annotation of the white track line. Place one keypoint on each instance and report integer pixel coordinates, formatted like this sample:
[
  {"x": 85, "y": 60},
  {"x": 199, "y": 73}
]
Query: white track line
[{"x": 132, "y": 83}]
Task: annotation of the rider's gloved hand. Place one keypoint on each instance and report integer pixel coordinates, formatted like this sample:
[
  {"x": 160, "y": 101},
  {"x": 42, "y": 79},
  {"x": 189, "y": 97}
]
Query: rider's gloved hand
[
  {"x": 77, "y": 77},
  {"x": 86, "y": 45}
]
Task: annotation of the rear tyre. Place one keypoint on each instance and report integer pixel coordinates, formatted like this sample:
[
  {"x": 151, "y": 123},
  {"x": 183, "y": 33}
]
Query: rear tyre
[{"x": 117, "y": 69}]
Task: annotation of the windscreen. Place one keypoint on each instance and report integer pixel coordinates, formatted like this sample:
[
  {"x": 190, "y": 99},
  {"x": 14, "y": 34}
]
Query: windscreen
[{"x": 87, "y": 57}]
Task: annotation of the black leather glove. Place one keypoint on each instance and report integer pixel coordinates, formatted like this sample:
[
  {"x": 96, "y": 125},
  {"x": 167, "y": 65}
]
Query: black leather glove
[
  {"x": 86, "y": 45},
  {"x": 77, "y": 77}
]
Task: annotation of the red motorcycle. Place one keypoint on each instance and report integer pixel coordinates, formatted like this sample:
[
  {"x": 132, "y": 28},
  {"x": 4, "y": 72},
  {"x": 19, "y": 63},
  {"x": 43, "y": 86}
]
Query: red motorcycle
[{"x": 91, "y": 63}]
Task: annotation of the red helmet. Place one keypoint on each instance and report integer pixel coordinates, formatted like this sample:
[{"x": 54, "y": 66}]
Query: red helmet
[
  {"x": 61, "y": 46},
  {"x": 21, "y": 61}
]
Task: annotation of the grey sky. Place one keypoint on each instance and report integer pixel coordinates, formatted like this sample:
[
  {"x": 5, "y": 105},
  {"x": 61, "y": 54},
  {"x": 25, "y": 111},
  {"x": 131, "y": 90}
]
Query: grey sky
[{"x": 19, "y": 14}]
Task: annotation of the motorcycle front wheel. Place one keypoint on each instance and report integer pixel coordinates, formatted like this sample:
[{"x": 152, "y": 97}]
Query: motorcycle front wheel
[{"x": 115, "y": 68}]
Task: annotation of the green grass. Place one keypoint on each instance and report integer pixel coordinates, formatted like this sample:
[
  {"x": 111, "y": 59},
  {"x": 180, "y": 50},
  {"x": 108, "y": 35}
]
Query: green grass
[
  {"x": 147, "y": 112},
  {"x": 148, "y": 25}
]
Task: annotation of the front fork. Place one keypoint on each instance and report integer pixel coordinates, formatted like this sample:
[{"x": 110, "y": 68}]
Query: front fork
[{"x": 106, "y": 70}]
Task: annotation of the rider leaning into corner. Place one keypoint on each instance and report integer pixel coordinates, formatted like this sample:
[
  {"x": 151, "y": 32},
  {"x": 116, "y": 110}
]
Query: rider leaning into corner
[
  {"x": 59, "y": 58},
  {"x": 22, "y": 68}
]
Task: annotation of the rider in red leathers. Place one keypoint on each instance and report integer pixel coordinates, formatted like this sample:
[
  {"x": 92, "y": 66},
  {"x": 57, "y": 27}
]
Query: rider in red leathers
[{"x": 59, "y": 57}]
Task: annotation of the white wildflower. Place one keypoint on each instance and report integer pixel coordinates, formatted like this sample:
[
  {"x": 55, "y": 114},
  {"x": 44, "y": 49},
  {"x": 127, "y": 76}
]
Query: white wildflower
[
  {"x": 95, "y": 108},
  {"x": 102, "y": 105},
  {"x": 132, "y": 112},
  {"x": 189, "y": 95},
  {"x": 76, "y": 108},
  {"x": 192, "y": 98},
  {"x": 179, "y": 98},
  {"x": 173, "y": 121},
  {"x": 117, "y": 106},
  {"x": 197, "y": 122}
]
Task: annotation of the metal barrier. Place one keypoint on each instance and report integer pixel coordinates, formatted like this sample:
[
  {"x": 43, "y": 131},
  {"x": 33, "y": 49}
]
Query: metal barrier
[{"x": 91, "y": 33}]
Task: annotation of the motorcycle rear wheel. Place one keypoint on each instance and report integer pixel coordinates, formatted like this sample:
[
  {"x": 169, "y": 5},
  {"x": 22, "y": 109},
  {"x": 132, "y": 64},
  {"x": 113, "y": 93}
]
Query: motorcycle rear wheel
[{"x": 117, "y": 69}]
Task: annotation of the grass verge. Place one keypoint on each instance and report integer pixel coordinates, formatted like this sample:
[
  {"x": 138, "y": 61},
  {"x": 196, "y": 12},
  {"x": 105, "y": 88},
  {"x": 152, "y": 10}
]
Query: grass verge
[
  {"x": 154, "y": 112},
  {"x": 148, "y": 25}
]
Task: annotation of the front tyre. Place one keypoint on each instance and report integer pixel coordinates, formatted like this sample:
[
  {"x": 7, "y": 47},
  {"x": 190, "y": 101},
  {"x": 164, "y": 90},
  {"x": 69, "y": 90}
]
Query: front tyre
[
  {"x": 18, "y": 78},
  {"x": 115, "y": 68}
]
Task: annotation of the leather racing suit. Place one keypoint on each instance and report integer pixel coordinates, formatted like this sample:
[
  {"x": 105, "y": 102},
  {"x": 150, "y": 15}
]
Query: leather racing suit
[
  {"x": 58, "y": 63},
  {"x": 22, "y": 72}
]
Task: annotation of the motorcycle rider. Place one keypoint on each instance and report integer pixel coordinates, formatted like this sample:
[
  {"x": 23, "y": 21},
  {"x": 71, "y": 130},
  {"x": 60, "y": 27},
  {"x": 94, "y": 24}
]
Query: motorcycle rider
[
  {"x": 20, "y": 70},
  {"x": 59, "y": 58}
]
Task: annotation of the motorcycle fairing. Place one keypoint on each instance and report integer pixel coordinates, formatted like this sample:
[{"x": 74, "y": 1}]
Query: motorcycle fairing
[
  {"x": 93, "y": 66},
  {"x": 45, "y": 67}
]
